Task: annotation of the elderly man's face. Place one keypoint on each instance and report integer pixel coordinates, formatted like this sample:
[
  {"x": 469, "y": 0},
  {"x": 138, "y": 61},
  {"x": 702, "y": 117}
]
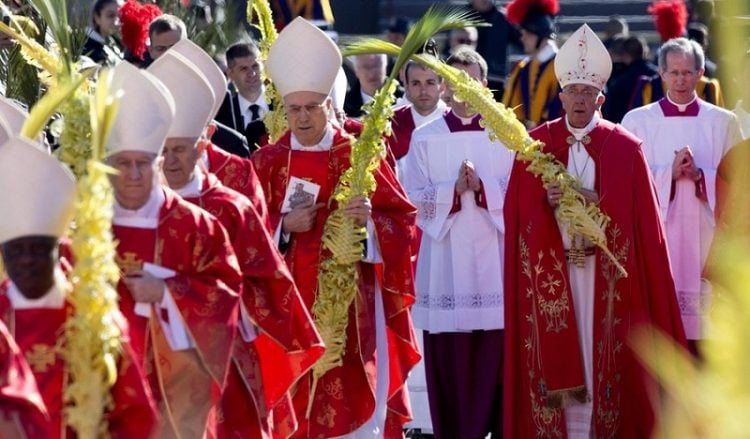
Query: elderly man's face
[
  {"x": 134, "y": 179},
  {"x": 161, "y": 42},
  {"x": 307, "y": 113},
  {"x": 180, "y": 157},
  {"x": 30, "y": 262},
  {"x": 680, "y": 76},
  {"x": 580, "y": 102},
  {"x": 370, "y": 70}
]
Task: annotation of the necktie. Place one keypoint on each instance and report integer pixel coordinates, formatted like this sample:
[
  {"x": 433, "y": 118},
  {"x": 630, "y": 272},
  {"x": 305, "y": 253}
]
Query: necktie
[{"x": 254, "y": 112}]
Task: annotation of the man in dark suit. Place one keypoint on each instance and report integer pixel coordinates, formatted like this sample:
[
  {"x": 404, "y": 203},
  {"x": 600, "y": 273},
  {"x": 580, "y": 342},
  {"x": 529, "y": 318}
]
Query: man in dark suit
[
  {"x": 245, "y": 104},
  {"x": 371, "y": 74}
]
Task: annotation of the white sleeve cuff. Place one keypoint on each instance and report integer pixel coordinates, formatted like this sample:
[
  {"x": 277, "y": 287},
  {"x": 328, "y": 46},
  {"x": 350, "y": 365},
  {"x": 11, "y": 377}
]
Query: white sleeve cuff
[
  {"x": 174, "y": 330},
  {"x": 373, "y": 251}
]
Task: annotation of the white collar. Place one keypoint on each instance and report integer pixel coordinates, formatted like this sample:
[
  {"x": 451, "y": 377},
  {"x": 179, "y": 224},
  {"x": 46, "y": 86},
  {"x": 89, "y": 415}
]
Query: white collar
[
  {"x": 260, "y": 101},
  {"x": 547, "y": 51},
  {"x": 681, "y": 107},
  {"x": 365, "y": 97},
  {"x": 54, "y": 298},
  {"x": 465, "y": 120},
  {"x": 325, "y": 143},
  {"x": 420, "y": 120},
  {"x": 94, "y": 35},
  {"x": 194, "y": 186},
  {"x": 578, "y": 133},
  {"x": 146, "y": 217}
]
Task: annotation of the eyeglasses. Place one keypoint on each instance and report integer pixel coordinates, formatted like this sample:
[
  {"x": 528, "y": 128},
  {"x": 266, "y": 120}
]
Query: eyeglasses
[
  {"x": 297, "y": 110},
  {"x": 587, "y": 93},
  {"x": 467, "y": 41},
  {"x": 678, "y": 73}
]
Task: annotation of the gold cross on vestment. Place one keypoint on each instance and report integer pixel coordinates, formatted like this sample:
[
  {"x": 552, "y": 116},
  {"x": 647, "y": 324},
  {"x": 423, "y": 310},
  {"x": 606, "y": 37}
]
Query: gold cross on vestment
[
  {"x": 40, "y": 357},
  {"x": 129, "y": 262}
]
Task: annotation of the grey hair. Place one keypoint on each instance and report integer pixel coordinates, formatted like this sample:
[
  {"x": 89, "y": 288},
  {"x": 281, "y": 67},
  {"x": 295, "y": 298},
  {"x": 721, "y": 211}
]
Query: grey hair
[{"x": 682, "y": 45}]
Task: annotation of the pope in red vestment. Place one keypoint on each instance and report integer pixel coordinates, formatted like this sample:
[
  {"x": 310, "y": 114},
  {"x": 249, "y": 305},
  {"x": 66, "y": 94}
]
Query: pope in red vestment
[
  {"x": 541, "y": 363},
  {"x": 350, "y": 400},
  {"x": 22, "y": 410},
  {"x": 264, "y": 365}
]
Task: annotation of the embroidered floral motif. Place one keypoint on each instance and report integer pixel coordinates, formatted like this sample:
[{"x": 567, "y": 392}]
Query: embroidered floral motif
[
  {"x": 427, "y": 209},
  {"x": 609, "y": 348},
  {"x": 450, "y": 302},
  {"x": 547, "y": 420}
]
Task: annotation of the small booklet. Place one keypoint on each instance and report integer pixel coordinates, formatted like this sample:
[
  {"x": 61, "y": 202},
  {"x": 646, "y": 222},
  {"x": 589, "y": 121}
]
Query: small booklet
[{"x": 299, "y": 192}]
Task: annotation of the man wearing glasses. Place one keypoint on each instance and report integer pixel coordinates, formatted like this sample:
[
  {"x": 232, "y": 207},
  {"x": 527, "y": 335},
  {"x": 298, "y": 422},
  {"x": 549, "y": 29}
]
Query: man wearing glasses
[
  {"x": 569, "y": 314},
  {"x": 684, "y": 139},
  {"x": 360, "y": 397}
]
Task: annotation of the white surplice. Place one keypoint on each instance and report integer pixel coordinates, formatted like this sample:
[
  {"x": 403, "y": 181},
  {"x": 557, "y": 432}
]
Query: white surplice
[
  {"x": 459, "y": 279},
  {"x": 689, "y": 221}
]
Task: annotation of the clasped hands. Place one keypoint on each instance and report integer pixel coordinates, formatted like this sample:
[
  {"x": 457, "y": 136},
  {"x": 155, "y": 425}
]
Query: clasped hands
[
  {"x": 683, "y": 165},
  {"x": 302, "y": 218},
  {"x": 467, "y": 178}
]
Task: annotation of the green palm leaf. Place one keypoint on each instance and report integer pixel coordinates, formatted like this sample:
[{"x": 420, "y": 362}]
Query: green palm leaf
[{"x": 55, "y": 14}]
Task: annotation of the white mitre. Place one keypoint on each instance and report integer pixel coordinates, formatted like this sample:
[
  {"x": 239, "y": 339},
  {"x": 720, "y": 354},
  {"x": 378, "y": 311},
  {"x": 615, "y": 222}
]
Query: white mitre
[
  {"x": 583, "y": 59},
  {"x": 338, "y": 93},
  {"x": 194, "y": 99},
  {"x": 303, "y": 58},
  {"x": 13, "y": 114},
  {"x": 144, "y": 114},
  {"x": 37, "y": 192},
  {"x": 208, "y": 68}
]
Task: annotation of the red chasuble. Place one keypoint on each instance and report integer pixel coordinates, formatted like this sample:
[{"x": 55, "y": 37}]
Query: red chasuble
[
  {"x": 22, "y": 409},
  {"x": 38, "y": 333},
  {"x": 239, "y": 174},
  {"x": 185, "y": 383},
  {"x": 345, "y": 399},
  {"x": 543, "y": 366},
  {"x": 288, "y": 345}
]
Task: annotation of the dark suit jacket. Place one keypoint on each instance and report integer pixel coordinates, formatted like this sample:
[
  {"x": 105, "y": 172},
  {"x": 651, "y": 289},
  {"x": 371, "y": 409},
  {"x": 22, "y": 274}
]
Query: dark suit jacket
[
  {"x": 353, "y": 101},
  {"x": 230, "y": 115},
  {"x": 230, "y": 140}
]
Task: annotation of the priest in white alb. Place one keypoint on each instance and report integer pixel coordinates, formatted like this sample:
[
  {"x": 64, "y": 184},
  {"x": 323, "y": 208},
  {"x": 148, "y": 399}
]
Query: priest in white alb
[
  {"x": 684, "y": 139},
  {"x": 457, "y": 179}
]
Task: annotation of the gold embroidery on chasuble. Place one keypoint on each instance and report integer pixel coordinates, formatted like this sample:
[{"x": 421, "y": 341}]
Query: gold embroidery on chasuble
[
  {"x": 547, "y": 420},
  {"x": 41, "y": 357},
  {"x": 335, "y": 389},
  {"x": 610, "y": 348},
  {"x": 327, "y": 417}
]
